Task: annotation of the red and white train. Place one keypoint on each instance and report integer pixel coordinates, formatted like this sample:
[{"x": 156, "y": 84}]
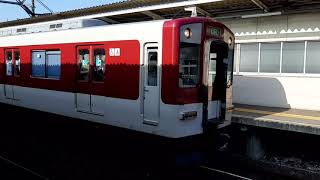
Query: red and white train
[{"x": 171, "y": 78}]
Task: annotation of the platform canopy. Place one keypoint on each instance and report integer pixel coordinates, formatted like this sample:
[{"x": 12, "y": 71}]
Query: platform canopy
[{"x": 142, "y": 10}]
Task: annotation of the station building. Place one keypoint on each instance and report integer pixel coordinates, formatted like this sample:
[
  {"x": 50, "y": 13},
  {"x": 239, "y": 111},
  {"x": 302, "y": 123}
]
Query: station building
[{"x": 277, "y": 60}]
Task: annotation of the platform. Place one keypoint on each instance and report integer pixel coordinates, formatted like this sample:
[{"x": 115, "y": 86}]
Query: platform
[{"x": 303, "y": 121}]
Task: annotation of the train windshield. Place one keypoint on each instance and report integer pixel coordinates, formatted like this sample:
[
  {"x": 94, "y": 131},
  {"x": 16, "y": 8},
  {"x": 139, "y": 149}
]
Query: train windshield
[
  {"x": 189, "y": 64},
  {"x": 189, "y": 55}
]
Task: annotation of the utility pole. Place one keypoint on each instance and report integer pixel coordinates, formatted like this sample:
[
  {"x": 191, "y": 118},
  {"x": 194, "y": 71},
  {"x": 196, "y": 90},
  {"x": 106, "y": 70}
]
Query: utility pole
[
  {"x": 33, "y": 8},
  {"x": 31, "y": 12}
]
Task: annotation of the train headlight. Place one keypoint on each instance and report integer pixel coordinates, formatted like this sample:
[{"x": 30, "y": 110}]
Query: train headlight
[{"x": 188, "y": 33}]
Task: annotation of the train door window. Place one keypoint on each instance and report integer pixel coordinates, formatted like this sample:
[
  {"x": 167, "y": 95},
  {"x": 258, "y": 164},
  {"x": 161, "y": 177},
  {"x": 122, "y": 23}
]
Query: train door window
[
  {"x": 99, "y": 65},
  {"x": 9, "y": 64},
  {"x": 153, "y": 68},
  {"x": 84, "y": 64},
  {"x": 16, "y": 63}
]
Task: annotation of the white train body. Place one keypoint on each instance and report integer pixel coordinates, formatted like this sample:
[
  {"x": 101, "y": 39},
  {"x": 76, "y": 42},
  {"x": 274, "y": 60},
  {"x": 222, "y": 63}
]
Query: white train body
[{"x": 127, "y": 75}]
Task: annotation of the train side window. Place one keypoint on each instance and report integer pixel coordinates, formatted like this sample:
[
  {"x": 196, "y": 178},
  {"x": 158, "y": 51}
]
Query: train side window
[
  {"x": 53, "y": 63},
  {"x": 38, "y": 63},
  {"x": 84, "y": 64},
  {"x": 9, "y": 64},
  {"x": 46, "y": 64},
  {"x": 17, "y": 63},
  {"x": 99, "y": 65}
]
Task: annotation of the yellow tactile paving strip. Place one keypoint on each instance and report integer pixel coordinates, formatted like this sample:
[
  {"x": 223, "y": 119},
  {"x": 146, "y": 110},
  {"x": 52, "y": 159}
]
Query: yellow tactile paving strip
[{"x": 297, "y": 116}]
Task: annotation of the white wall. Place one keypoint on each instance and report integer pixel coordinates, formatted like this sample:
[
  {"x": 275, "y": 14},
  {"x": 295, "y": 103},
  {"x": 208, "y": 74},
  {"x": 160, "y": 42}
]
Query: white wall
[
  {"x": 285, "y": 26},
  {"x": 301, "y": 91},
  {"x": 287, "y": 92}
]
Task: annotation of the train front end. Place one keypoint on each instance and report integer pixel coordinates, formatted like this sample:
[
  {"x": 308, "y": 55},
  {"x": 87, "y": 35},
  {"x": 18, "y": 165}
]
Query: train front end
[{"x": 203, "y": 60}]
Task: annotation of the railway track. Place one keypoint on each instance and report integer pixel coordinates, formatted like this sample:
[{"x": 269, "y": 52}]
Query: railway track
[
  {"x": 22, "y": 171},
  {"x": 222, "y": 173},
  {"x": 14, "y": 170}
]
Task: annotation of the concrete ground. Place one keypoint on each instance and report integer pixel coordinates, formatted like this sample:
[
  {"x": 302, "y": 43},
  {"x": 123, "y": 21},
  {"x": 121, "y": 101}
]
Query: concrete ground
[{"x": 295, "y": 120}]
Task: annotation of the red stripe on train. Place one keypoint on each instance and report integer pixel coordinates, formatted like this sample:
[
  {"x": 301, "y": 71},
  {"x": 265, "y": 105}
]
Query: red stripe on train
[{"x": 122, "y": 73}]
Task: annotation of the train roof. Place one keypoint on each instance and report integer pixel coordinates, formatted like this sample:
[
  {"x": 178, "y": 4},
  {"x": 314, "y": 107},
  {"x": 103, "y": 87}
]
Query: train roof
[
  {"x": 151, "y": 31},
  {"x": 148, "y": 31},
  {"x": 68, "y": 24},
  {"x": 142, "y": 10}
]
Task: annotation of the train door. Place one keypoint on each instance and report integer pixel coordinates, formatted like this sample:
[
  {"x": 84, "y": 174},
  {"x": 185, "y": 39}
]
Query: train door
[
  {"x": 90, "y": 79},
  {"x": 151, "y": 90},
  {"x": 12, "y": 58},
  {"x": 216, "y": 76}
]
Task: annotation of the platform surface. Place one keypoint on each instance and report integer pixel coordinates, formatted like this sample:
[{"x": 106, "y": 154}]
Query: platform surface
[{"x": 296, "y": 120}]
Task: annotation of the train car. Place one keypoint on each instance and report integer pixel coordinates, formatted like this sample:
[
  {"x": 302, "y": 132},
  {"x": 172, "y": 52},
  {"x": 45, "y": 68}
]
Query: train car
[{"x": 171, "y": 78}]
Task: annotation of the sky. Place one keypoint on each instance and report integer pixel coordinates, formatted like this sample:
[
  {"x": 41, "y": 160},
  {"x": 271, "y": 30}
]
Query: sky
[{"x": 12, "y": 12}]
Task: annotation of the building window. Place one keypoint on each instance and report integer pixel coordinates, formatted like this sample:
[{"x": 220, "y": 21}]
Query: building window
[
  {"x": 46, "y": 64},
  {"x": 13, "y": 63},
  {"x": 293, "y": 57},
  {"x": 99, "y": 65},
  {"x": 270, "y": 57},
  {"x": 249, "y": 55},
  {"x": 313, "y": 61}
]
